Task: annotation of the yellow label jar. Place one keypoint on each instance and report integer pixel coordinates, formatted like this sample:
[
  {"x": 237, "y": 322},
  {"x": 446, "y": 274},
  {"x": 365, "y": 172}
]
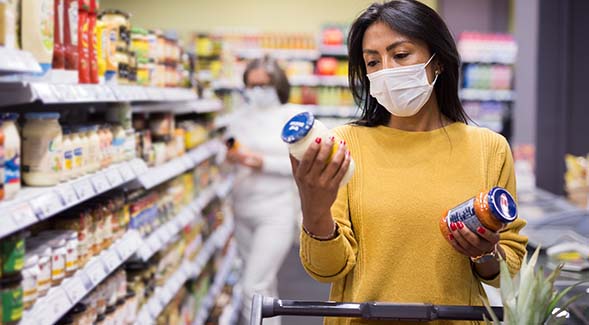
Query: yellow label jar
[{"x": 41, "y": 149}]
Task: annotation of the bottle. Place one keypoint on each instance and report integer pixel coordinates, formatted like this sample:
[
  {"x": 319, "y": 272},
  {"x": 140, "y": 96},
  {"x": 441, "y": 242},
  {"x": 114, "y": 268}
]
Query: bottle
[
  {"x": 92, "y": 41},
  {"x": 300, "y": 132},
  {"x": 93, "y": 148},
  {"x": 58, "y": 35},
  {"x": 68, "y": 156},
  {"x": 37, "y": 18},
  {"x": 71, "y": 34},
  {"x": 41, "y": 149},
  {"x": 78, "y": 158},
  {"x": 83, "y": 42},
  {"x": 11, "y": 155}
]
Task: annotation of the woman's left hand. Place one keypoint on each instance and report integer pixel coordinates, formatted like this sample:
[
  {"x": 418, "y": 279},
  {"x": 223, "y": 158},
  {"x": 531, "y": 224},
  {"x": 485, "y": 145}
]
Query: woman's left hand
[
  {"x": 248, "y": 159},
  {"x": 472, "y": 244}
]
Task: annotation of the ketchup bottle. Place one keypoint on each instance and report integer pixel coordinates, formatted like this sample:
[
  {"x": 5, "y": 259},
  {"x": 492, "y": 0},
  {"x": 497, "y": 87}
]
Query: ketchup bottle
[
  {"x": 83, "y": 42},
  {"x": 92, "y": 41},
  {"x": 58, "y": 61},
  {"x": 71, "y": 34}
]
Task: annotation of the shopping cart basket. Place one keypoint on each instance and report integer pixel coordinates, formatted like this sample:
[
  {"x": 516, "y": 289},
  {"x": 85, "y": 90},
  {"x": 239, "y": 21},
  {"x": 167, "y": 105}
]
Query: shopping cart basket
[{"x": 266, "y": 307}]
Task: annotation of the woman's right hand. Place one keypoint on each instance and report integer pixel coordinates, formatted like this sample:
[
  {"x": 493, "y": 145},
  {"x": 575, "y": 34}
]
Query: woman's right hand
[{"x": 318, "y": 183}]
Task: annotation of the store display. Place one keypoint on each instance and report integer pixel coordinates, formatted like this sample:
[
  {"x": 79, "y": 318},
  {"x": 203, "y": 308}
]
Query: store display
[
  {"x": 300, "y": 132},
  {"x": 489, "y": 209}
]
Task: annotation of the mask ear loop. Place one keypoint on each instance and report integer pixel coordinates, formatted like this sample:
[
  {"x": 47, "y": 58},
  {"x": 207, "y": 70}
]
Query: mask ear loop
[{"x": 430, "y": 60}]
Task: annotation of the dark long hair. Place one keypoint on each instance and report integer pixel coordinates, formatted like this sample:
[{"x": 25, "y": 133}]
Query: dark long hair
[
  {"x": 278, "y": 77},
  {"x": 418, "y": 21}
]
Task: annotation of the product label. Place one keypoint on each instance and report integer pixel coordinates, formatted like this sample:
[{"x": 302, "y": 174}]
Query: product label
[
  {"x": 60, "y": 14},
  {"x": 57, "y": 266},
  {"x": 78, "y": 157},
  {"x": 466, "y": 214},
  {"x": 47, "y": 20},
  {"x": 29, "y": 287},
  {"x": 12, "y": 305},
  {"x": 44, "y": 277},
  {"x": 13, "y": 255},
  {"x": 55, "y": 154},
  {"x": 73, "y": 21},
  {"x": 12, "y": 166},
  {"x": 68, "y": 160},
  {"x": 71, "y": 259}
]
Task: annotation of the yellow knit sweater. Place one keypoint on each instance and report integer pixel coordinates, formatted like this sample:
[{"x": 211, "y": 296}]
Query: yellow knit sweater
[{"x": 389, "y": 247}]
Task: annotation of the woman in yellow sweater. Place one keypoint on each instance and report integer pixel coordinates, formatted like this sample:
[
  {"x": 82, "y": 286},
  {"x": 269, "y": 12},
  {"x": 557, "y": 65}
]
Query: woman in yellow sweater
[{"x": 377, "y": 238}]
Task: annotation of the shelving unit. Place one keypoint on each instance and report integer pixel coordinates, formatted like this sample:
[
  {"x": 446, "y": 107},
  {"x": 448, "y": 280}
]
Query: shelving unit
[
  {"x": 59, "y": 300},
  {"x": 34, "y": 204},
  {"x": 283, "y": 54},
  {"x": 333, "y": 50}
]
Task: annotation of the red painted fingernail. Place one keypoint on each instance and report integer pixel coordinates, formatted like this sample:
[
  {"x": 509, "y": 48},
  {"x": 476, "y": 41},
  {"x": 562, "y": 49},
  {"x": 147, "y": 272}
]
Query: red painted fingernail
[
  {"x": 347, "y": 153},
  {"x": 451, "y": 237},
  {"x": 345, "y": 142},
  {"x": 318, "y": 140},
  {"x": 453, "y": 226},
  {"x": 460, "y": 225},
  {"x": 481, "y": 230},
  {"x": 332, "y": 139}
]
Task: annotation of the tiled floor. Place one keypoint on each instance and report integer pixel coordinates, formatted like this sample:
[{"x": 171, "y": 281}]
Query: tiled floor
[{"x": 295, "y": 284}]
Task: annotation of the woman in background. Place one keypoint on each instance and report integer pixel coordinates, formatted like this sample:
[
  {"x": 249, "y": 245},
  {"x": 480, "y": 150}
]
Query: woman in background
[{"x": 265, "y": 201}]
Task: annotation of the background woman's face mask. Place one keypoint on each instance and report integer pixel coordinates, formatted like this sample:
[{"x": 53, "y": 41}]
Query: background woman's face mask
[
  {"x": 262, "y": 97},
  {"x": 402, "y": 91}
]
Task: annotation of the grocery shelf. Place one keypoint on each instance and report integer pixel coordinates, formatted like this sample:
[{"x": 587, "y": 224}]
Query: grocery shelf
[
  {"x": 185, "y": 107},
  {"x": 489, "y": 59},
  {"x": 487, "y": 95},
  {"x": 230, "y": 314},
  {"x": 23, "y": 92},
  {"x": 188, "y": 270},
  {"x": 59, "y": 300},
  {"x": 160, "y": 238},
  {"x": 281, "y": 54},
  {"x": 34, "y": 204},
  {"x": 333, "y": 50},
  {"x": 156, "y": 175},
  {"x": 17, "y": 61},
  {"x": 316, "y": 80},
  {"x": 224, "y": 120},
  {"x": 220, "y": 279}
]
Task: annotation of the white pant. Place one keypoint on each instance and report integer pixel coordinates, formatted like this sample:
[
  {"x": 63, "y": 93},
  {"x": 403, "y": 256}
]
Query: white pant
[{"x": 263, "y": 243}]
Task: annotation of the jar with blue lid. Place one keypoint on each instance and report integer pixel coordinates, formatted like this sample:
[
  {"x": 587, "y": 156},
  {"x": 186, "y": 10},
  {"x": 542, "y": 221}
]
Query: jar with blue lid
[{"x": 302, "y": 130}]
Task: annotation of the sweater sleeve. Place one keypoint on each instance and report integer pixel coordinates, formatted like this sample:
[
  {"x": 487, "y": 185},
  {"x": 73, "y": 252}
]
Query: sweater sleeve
[
  {"x": 331, "y": 260},
  {"x": 277, "y": 164},
  {"x": 511, "y": 241}
]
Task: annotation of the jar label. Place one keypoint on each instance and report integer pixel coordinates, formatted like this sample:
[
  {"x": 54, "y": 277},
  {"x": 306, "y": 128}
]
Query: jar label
[
  {"x": 68, "y": 157},
  {"x": 13, "y": 255},
  {"x": 12, "y": 305},
  {"x": 47, "y": 20},
  {"x": 71, "y": 259},
  {"x": 73, "y": 21},
  {"x": 12, "y": 166},
  {"x": 466, "y": 214},
  {"x": 29, "y": 286},
  {"x": 78, "y": 156},
  {"x": 57, "y": 266}
]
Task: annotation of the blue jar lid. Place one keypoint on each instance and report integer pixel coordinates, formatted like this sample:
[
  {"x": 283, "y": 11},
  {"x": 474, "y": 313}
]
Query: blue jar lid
[
  {"x": 42, "y": 116},
  {"x": 502, "y": 204},
  {"x": 9, "y": 116},
  {"x": 297, "y": 127}
]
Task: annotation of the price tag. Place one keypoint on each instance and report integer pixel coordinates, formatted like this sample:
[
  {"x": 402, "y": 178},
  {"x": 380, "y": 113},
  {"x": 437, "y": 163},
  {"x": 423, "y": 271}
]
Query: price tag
[
  {"x": 67, "y": 194},
  {"x": 74, "y": 288},
  {"x": 114, "y": 177},
  {"x": 126, "y": 172},
  {"x": 95, "y": 271},
  {"x": 111, "y": 260},
  {"x": 23, "y": 214},
  {"x": 83, "y": 189},
  {"x": 55, "y": 305},
  {"x": 154, "y": 306},
  {"x": 138, "y": 166},
  {"x": 100, "y": 183},
  {"x": 154, "y": 242},
  {"x": 46, "y": 205},
  {"x": 7, "y": 225}
]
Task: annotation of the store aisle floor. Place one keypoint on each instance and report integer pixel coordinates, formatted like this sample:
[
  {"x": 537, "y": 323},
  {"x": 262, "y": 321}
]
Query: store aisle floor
[{"x": 294, "y": 283}]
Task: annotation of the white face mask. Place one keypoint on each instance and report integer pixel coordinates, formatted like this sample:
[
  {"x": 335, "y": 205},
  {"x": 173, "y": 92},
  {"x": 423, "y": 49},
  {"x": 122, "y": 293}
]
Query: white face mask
[
  {"x": 402, "y": 91},
  {"x": 262, "y": 97}
]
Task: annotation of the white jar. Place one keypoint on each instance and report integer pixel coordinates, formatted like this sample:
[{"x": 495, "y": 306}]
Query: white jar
[
  {"x": 93, "y": 149},
  {"x": 118, "y": 143},
  {"x": 12, "y": 147},
  {"x": 67, "y": 170},
  {"x": 130, "y": 144},
  {"x": 300, "y": 132},
  {"x": 44, "y": 253},
  {"x": 30, "y": 273},
  {"x": 78, "y": 149},
  {"x": 41, "y": 149}
]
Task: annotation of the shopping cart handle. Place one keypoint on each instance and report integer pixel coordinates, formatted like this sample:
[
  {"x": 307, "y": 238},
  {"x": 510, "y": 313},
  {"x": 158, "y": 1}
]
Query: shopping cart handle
[{"x": 265, "y": 307}]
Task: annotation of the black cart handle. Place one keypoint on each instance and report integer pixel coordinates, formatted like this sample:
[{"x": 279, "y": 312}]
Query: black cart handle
[{"x": 265, "y": 307}]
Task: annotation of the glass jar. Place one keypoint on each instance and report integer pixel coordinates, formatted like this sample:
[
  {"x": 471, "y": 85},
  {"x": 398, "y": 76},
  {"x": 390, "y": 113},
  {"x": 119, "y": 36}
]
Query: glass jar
[
  {"x": 11, "y": 295},
  {"x": 85, "y": 145},
  {"x": 78, "y": 154},
  {"x": 30, "y": 274},
  {"x": 107, "y": 220},
  {"x": 98, "y": 222},
  {"x": 41, "y": 149},
  {"x": 12, "y": 146},
  {"x": 118, "y": 143},
  {"x": 44, "y": 253},
  {"x": 12, "y": 254},
  {"x": 79, "y": 221},
  {"x": 93, "y": 148},
  {"x": 68, "y": 156},
  {"x": 490, "y": 209}
]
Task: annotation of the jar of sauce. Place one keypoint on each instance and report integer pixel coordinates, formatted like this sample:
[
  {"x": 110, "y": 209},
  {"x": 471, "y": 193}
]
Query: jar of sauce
[{"x": 41, "y": 149}]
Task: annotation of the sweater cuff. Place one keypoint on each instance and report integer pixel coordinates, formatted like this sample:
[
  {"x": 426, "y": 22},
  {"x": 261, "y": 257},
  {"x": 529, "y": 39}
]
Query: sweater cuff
[{"x": 324, "y": 258}]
